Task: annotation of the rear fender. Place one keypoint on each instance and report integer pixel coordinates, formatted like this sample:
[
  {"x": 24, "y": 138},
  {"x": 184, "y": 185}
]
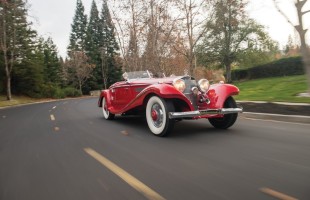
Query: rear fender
[
  {"x": 164, "y": 91},
  {"x": 104, "y": 94},
  {"x": 218, "y": 93}
]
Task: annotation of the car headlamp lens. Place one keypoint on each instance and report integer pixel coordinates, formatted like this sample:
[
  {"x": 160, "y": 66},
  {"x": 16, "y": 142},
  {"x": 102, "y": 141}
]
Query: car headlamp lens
[
  {"x": 179, "y": 84},
  {"x": 204, "y": 85}
]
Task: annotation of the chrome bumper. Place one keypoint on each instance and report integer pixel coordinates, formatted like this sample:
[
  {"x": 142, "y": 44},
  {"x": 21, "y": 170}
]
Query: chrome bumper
[{"x": 197, "y": 113}]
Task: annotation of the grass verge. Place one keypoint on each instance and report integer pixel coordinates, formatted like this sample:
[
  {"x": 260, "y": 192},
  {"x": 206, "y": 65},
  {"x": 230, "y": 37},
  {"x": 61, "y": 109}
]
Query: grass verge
[
  {"x": 279, "y": 89},
  {"x": 16, "y": 100}
]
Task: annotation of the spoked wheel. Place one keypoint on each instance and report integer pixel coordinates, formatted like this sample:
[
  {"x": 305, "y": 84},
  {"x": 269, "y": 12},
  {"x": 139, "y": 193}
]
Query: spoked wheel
[
  {"x": 106, "y": 114},
  {"x": 157, "y": 116},
  {"x": 229, "y": 119}
]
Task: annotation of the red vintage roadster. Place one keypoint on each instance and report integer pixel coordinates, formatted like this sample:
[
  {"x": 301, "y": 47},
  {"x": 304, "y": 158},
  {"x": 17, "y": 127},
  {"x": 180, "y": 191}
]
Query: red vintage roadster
[{"x": 169, "y": 99}]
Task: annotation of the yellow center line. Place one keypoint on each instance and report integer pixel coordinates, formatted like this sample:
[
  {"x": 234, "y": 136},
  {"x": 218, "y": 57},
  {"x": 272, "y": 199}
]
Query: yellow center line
[
  {"x": 52, "y": 117},
  {"x": 276, "y": 194},
  {"x": 132, "y": 181}
]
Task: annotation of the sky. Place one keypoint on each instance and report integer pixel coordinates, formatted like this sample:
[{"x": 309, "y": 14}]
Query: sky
[{"x": 53, "y": 18}]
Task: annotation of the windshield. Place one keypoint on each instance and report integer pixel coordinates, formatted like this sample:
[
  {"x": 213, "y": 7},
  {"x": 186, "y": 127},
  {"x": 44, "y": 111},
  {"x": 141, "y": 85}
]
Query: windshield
[{"x": 137, "y": 75}]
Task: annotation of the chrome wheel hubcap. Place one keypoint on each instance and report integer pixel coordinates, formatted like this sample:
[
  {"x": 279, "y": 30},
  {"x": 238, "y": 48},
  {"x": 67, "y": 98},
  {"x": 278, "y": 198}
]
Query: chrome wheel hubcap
[{"x": 157, "y": 115}]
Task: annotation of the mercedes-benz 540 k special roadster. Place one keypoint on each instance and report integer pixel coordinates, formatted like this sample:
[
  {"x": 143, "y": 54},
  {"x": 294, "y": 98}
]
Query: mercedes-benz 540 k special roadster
[{"x": 167, "y": 100}]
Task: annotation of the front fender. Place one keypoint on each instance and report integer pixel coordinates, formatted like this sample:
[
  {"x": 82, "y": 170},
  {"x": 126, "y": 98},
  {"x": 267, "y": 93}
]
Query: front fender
[{"x": 218, "y": 93}]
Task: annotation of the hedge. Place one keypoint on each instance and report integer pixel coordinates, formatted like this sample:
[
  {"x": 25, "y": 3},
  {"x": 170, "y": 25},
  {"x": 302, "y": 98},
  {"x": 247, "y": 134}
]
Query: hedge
[{"x": 283, "y": 67}]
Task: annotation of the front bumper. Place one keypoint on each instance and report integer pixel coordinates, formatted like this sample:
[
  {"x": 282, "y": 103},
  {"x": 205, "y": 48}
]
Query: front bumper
[{"x": 197, "y": 113}]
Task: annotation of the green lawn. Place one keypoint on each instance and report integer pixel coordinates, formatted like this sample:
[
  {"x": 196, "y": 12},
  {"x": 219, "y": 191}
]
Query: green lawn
[{"x": 282, "y": 89}]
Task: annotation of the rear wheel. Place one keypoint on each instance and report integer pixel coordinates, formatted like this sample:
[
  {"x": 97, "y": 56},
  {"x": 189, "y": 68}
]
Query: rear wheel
[
  {"x": 157, "y": 116},
  {"x": 106, "y": 114},
  {"x": 229, "y": 119}
]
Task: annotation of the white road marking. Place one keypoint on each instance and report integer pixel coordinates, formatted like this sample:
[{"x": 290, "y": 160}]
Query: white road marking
[{"x": 54, "y": 107}]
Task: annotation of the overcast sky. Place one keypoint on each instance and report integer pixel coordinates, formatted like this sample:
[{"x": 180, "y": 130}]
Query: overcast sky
[{"x": 54, "y": 18}]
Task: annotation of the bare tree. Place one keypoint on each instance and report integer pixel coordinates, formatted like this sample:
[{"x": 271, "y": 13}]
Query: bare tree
[
  {"x": 194, "y": 16},
  {"x": 127, "y": 15},
  {"x": 160, "y": 28},
  {"x": 78, "y": 69},
  {"x": 299, "y": 4}
]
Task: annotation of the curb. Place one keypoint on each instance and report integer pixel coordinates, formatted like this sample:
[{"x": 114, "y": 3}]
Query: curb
[
  {"x": 276, "y": 102},
  {"x": 277, "y": 117}
]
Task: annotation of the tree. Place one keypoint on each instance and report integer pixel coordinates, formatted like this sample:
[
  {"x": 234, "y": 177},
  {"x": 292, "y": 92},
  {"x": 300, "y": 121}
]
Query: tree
[
  {"x": 93, "y": 42},
  {"x": 78, "y": 29},
  {"x": 160, "y": 28},
  {"x": 16, "y": 37},
  {"x": 108, "y": 48},
  {"x": 302, "y": 31},
  {"x": 51, "y": 62},
  {"x": 230, "y": 34},
  {"x": 128, "y": 16},
  {"x": 78, "y": 69},
  {"x": 193, "y": 17}
]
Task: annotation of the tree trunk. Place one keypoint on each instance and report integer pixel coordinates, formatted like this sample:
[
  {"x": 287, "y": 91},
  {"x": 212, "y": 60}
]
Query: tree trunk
[
  {"x": 306, "y": 60},
  {"x": 303, "y": 46},
  {"x": 228, "y": 72},
  {"x": 8, "y": 88},
  {"x": 8, "y": 77},
  {"x": 80, "y": 85},
  {"x": 6, "y": 62}
]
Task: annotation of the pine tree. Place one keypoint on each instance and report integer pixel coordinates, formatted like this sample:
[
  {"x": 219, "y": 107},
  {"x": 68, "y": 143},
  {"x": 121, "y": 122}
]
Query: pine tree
[
  {"x": 51, "y": 62},
  {"x": 110, "y": 70},
  {"x": 93, "y": 40},
  {"x": 94, "y": 31},
  {"x": 78, "y": 32}
]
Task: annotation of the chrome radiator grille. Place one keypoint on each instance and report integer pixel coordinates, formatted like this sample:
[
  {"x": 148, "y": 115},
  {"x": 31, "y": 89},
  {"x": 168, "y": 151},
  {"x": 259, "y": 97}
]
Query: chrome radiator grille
[{"x": 190, "y": 83}]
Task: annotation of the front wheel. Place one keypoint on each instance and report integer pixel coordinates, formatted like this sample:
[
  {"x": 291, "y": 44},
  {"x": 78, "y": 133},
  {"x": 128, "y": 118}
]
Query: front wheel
[
  {"x": 106, "y": 114},
  {"x": 157, "y": 116},
  {"x": 229, "y": 119}
]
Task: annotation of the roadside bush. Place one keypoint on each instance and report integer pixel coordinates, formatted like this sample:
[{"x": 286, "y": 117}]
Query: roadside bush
[
  {"x": 72, "y": 92},
  {"x": 52, "y": 91},
  {"x": 283, "y": 67}
]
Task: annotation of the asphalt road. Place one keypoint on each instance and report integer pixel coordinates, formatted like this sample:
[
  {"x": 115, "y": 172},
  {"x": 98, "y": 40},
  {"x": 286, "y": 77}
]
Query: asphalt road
[{"x": 65, "y": 150}]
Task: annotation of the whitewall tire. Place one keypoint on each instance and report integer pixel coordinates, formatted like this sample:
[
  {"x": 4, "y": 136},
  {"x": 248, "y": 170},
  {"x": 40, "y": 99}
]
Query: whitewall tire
[
  {"x": 106, "y": 114},
  {"x": 157, "y": 116}
]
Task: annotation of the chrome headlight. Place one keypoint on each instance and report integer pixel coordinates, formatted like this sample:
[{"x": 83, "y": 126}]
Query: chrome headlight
[
  {"x": 204, "y": 85},
  {"x": 179, "y": 84}
]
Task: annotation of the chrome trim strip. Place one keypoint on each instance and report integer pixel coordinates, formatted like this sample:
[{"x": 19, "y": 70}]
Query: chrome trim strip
[{"x": 196, "y": 113}]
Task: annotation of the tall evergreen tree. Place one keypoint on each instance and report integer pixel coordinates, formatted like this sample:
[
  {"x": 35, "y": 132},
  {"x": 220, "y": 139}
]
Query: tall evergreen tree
[
  {"x": 27, "y": 75},
  {"x": 93, "y": 40},
  {"x": 51, "y": 62},
  {"x": 78, "y": 32},
  {"x": 109, "y": 48},
  {"x": 94, "y": 33}
]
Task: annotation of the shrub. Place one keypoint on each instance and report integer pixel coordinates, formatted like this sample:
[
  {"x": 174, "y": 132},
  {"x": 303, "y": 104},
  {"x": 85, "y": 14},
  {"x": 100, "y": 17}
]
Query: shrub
[
  {"x": 52, "y": 91},
  {"x": 283, "y": 67},
  {"x": 72, "y": 92}
]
